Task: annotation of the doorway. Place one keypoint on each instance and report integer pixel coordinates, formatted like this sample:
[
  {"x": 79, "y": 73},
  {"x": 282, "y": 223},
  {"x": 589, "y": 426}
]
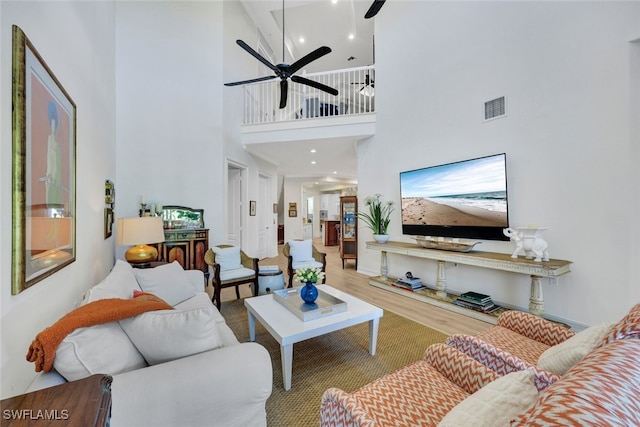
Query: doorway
[{"x": 235, "y": 204}]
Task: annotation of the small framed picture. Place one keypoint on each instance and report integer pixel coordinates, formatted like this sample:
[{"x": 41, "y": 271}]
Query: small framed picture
[
  {"x": 293, "y": 213},
  {"x": 252, "y": 208},
  {"x": 293, "y": 206},
  {"x": 275, "y": 208},
  {"x": 108, "y": 222}
]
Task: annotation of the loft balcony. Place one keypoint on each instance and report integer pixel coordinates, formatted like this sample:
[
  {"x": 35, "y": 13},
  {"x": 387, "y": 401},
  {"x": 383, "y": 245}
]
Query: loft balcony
[{"x": 311, "y": 113}]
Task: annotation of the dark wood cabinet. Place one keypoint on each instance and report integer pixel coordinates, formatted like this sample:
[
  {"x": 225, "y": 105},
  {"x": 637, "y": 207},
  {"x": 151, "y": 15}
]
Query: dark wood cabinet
[
  {"x": 348, "y": 235},
  {"x": 187, "y": 246},
  {"x": 331, "y": 232},
  {"x": 82, "y": 403}
]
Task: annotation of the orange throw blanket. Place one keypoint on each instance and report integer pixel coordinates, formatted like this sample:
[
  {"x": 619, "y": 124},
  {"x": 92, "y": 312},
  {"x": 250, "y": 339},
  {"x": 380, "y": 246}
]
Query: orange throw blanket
[{"x": 42, "y": 350}]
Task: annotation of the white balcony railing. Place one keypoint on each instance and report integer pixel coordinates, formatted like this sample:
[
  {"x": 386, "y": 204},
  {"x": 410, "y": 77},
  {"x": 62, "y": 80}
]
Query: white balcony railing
[{"x": 355, "y": 96}]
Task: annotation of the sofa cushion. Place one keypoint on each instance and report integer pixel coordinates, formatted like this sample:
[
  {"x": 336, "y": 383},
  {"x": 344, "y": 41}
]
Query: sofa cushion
[
  {"x": 100, "y": 349},
  {"x": 168, "y": 282},
  {"x": 166, "y": 335},
  {"x": 628, "y": 327},
  {"x": 228, "y": 258},
  {"x": 119, "y": 283},
  {"x": 561, "y": 357},
  {"x": 236, "y": 273},
  {"x": 301, "y": 250},
  {"x": 496, "y": 403},
  {"x": 603, "y": 389}
]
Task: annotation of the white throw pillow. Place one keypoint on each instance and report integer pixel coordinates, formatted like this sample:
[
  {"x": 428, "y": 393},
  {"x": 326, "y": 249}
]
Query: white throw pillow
[
  {"x": 561, "y": 357},
  {"x": 119, "y": 283},
  {"x": 100, "y": 349},
  {"x": 301, "y": 250},
  {"x": 168, "y": 282},
  {"x": 496, "y": 403},
  {"x": 165, "y": 335},
  {"x": 228, "y": 258}
]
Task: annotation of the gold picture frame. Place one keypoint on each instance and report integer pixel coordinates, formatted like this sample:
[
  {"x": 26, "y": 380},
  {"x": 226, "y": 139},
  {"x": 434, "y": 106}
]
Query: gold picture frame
[{"x": 44, "y": 169}]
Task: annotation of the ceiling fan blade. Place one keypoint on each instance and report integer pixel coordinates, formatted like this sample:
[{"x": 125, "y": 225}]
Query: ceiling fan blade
[
  {"x": 244, "y": 82},
  {"x": 374, "y": 9},
  {"x": 310, "y": 57},
  {"x": 284, "y": 89},
  {"x": 257, "y": 55},
  {"x": 314, "y": 84}
]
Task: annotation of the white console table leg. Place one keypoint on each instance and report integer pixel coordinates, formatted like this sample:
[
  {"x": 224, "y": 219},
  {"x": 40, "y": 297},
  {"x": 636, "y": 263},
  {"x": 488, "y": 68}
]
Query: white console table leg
[
  {"x": 536, "y": 301},
  {"x": 441, "y": 281},
  {"x": 383, "y": 265}
]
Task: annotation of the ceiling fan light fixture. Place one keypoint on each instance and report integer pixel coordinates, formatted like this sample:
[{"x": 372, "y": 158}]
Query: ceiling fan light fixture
[{"x": 368, "y": 91}]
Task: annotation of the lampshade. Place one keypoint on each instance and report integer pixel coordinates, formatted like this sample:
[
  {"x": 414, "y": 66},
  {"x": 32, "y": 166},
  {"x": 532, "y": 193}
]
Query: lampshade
[{"x": 139, "y": 231}]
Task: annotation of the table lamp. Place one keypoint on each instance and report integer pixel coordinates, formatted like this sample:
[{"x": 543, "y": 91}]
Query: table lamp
[{"x": 139, "y": 232}]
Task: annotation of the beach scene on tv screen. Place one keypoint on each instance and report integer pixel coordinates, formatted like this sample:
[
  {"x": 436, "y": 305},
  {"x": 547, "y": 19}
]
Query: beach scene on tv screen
[{"x": 469, "y": 193}]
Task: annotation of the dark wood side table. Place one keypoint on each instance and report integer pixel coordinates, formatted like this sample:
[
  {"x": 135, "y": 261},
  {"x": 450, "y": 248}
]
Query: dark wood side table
[{"x": 82, "y": 403}]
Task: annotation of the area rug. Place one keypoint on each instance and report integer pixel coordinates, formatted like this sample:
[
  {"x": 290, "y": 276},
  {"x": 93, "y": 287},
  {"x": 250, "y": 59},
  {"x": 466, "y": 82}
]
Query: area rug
[{"x": 340, "y": 359}]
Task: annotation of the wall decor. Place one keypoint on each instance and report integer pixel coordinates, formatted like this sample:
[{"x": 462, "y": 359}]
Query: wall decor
[
  {"x": 252, "y": 208},
  {"x": 275, "y": 208},
  {"x": 293, "y": 209},
  {"x": 109, "y": 192},
  {"x": 108, "y": 222},
  {"x": 44, "y": 169},
  {"x": 293, "y": 213}
]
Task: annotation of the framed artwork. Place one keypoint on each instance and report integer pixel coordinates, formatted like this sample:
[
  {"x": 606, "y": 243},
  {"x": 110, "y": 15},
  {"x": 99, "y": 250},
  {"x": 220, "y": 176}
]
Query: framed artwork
[
  {"x": 108, "y": 222},
  {"x": 293, "y": 213},
  {"x": 109, "y": 192},
  {"x": 44, "y": 169},
  {"x": 252, "y": 208},
  {"x": 275, "y": 208}
]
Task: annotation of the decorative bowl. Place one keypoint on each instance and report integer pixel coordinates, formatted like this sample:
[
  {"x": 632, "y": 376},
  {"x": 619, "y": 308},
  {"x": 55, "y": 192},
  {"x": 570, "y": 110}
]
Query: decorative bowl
[{"x": 445, "y": 245}]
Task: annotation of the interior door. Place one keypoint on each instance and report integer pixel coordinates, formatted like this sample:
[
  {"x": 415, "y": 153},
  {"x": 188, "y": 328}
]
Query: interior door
[
  {"x": 234, "y": 206},
  {"x": 264, "y": 212}
]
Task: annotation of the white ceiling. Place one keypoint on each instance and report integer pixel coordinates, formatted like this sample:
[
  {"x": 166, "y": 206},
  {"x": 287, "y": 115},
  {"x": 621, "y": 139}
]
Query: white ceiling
[{"x": 321, "y": 23}]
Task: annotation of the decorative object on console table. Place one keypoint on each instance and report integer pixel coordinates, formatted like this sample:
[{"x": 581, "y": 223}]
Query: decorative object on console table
[
  {"x": 85, "y": 402},
  {"x": 140, "y": 232},
  {"x": 528, "y": 242},
  {"x": 44, "y": 168},
  {"x": 348, "y": 236}
]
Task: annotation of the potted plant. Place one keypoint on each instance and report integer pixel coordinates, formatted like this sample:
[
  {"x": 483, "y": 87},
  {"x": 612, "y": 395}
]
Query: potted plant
[
  {"x": 309, "y": 276},
  {"x": 379, "y": 216}
]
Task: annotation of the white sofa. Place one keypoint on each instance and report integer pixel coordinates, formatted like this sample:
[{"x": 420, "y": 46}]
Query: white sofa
[{"x": 184, "y": 366}]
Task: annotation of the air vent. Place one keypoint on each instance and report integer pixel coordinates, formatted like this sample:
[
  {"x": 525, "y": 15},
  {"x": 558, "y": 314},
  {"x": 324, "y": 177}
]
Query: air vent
[{"x": 495, "y": 108}]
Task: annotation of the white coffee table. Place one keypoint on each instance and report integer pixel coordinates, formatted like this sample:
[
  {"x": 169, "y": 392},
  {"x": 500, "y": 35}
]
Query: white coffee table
[{"x": 288, "y": 329}]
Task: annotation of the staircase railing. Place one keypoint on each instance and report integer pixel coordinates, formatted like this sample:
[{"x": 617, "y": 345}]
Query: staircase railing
[{"x": 356, "y": 95}]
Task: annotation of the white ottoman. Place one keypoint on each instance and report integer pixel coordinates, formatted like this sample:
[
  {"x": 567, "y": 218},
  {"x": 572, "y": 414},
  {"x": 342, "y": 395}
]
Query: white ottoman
[{"x": 270, "y": 278}]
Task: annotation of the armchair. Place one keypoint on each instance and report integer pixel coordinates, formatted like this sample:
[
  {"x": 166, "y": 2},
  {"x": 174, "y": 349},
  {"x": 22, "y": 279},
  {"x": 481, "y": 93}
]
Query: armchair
[
  {"x": 231, "y": 267},
  {"x": 300, "y": 254}
]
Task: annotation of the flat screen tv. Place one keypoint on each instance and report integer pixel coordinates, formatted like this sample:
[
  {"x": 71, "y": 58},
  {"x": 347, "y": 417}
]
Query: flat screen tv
[{"x": 466, "y": 199}]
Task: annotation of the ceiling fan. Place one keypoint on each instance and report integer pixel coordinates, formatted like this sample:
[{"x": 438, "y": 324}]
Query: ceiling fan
[
  {"x": 369, "y": 85},
  {"x": 374, "y": 8},
  {"x": 286, "y": 71}
]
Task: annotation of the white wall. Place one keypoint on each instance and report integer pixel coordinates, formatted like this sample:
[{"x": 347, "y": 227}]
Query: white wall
[
  {"x": 571, "y": 134},
  {"x": 239, "y": 65},
  {"x": 76, "y": 40},
  {"x": 169, "y": 108}
]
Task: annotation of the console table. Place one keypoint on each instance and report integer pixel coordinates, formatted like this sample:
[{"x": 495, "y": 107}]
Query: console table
[
  {"x": 82, "y": 403},
  {"x": 492, "y": 260}
]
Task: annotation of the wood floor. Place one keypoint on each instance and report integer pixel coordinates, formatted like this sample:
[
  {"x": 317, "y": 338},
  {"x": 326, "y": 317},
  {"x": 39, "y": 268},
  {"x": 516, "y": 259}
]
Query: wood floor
[{"x": 356, "y": 284}]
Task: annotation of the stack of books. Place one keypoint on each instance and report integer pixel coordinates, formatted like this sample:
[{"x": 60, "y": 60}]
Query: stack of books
[
  {"x": 476, "y": 301},
  {"x": 409, "y": 284}
]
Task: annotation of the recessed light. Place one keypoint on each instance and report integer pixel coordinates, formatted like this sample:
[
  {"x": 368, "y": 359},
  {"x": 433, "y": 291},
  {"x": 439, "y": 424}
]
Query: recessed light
[
  {"x": 313, "y": 162},
  {"x": 351, "y": 36},
  {"x": 301, "y": 39},
  {"x": 335, "y": 172},
  {"x": 334, "y": 1},
  {"x": 313, "y": 150}
]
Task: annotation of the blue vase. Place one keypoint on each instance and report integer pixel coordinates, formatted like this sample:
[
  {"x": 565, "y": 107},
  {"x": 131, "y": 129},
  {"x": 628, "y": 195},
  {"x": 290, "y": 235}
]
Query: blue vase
[{"x": 309, "y": 293}]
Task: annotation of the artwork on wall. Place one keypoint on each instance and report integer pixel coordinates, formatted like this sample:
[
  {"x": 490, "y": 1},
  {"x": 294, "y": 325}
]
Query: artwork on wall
[
  {"x": 108, "y": 222},
  {"x": 252, "y": 208},
  {"x": 44, "y": 169},
  {"x": 293, "y": 209},
  {"x": 275, "y": 208}
]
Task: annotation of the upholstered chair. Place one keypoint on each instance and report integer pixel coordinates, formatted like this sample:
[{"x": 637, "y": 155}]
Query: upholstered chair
[
  {"x": 231, "y": 267},
  {"x": 301, "y": 254}
]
